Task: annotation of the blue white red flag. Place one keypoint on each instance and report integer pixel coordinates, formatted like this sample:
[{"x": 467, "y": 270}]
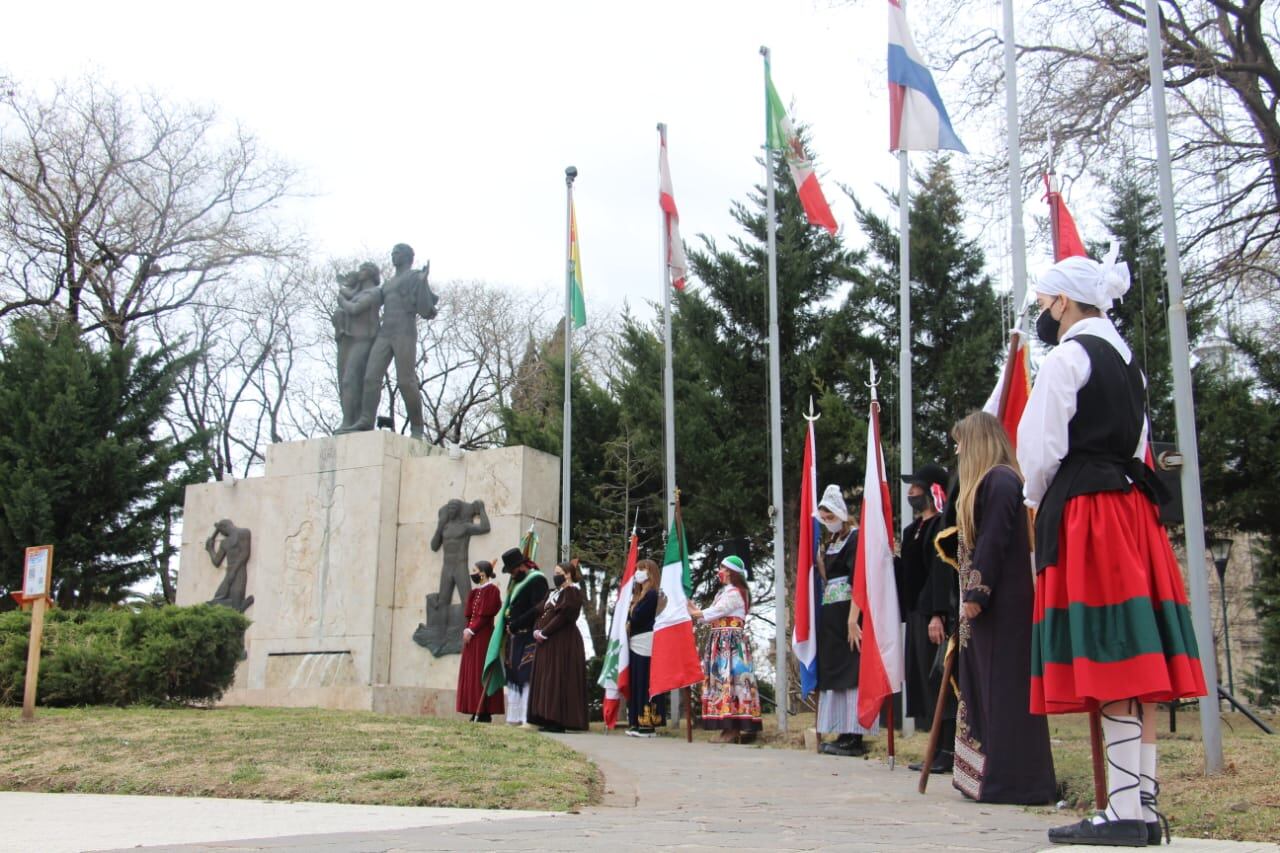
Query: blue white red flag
[
  {"x": 804, "y": 636},
  {"x": 917, "y": 119}
]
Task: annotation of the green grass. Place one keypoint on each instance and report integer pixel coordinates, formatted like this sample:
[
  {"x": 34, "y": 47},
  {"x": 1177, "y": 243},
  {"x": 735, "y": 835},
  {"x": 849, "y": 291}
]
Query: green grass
[{"x": 292, "y": 754}]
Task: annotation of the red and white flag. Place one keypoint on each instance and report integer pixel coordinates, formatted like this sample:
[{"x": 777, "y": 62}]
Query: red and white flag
[
  {"x": 675, "y": 662},
  {"x": 1009, "y": 398},
  {"x": 804, "y": 637},
  {"x": 615, "y": 674},
  {"x": 1066, "y": 239},
  {"x": 874, "y": 589},
  {"x": 677, "y": 264}
]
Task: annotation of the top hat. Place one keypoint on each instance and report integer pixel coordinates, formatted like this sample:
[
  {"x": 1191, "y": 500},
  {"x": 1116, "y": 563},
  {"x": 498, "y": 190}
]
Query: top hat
[{"x": 514, "y": 558}]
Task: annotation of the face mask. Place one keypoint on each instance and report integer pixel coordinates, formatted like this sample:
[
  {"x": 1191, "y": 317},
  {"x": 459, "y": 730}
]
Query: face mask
[
  {"x": 1047, "y": 328},
  {"x": 641, "y": 577},
  {"x": 475, "y": 579},
  {"x": 834, "y": 525},
  {"x": 918, "y": 502},
  {"x": 559, "y": 580}
]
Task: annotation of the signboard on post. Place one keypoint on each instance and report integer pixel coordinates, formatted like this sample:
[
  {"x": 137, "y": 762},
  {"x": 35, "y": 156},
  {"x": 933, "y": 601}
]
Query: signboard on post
[{"x": 37, "y": 581}]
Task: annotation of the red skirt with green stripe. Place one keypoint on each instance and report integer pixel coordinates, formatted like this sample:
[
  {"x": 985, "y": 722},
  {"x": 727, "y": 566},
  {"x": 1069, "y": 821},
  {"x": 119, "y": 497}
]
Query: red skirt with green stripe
[{"x": 1111, "y": 618}]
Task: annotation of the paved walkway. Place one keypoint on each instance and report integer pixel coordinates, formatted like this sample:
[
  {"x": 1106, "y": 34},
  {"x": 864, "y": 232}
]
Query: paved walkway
[{"x": 697, "y": 797}]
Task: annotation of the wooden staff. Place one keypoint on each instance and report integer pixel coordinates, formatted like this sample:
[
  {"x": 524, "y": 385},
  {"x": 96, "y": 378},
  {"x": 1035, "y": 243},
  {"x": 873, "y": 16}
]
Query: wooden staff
[
  {"x": 888, "y": 706},
  {"x": 935, "y": 730},
  {"x": 1095, "y": 743},
  {"x": 686, "y": 696}
]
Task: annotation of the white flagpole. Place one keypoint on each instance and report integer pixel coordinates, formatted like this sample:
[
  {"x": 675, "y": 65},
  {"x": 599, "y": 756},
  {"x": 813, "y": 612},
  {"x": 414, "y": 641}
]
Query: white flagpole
[
  {"x": 1017, "y": 234},
  {"x": 668, "y": 375},
  {"x": 1184, "y": 410},
  {"x": 565, "y": 453},
  {"x": 906, "y": 463},
  {"x": 775, "y": 432}
]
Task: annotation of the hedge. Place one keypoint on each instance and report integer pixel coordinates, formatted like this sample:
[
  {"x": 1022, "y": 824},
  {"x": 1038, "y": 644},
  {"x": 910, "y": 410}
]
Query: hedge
[{"x": 153, "y": 656}]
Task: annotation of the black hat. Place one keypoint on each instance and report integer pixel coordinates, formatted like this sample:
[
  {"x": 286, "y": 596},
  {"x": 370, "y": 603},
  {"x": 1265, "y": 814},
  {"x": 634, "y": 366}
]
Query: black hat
[
  {"x": 512, "y": 559},
  {"x": 928, "y": 475}
]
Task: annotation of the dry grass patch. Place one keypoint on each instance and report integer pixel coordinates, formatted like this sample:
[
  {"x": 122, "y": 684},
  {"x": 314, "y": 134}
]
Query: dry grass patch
[{"x": 292, "y": 754}]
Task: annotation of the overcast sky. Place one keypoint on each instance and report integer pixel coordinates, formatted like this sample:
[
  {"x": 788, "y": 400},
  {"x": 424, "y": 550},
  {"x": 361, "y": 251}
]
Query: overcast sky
[{"x": 449, "y": 126}]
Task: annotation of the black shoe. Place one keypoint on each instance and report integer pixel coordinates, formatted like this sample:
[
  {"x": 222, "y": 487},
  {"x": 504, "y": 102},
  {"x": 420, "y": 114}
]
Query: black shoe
[
  {"x": 553, "y": 730},
  {"x": 1154, "y": 835},
  {"x": 1109, "y": 833},
  {"x": 940, "y": 765},
  {"x": 846, "y": 749}
]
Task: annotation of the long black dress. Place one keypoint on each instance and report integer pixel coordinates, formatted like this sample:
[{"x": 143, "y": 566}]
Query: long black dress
[
  {"x": 643, "y": 714},
  {"x": 1002, "y": 749},
  {"x": 837, "y": 663},
  {"x": 926, "y": 587}
]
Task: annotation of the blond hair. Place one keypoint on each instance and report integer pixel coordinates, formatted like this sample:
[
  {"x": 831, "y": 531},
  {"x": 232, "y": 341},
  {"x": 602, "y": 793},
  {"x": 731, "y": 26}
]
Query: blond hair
[{"x": 982, "y": 445}]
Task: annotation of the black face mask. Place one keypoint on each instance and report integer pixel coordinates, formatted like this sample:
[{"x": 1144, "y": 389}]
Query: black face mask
[
  {"x": 475, "y": 579},
  {"x": 559, "y": 580},
  {"x": 1047, "y": 328},
  {"x": 918, "y": 502}
]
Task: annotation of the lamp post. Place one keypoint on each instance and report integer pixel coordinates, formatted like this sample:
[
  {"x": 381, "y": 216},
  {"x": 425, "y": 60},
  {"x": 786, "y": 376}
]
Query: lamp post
[{"x": 1221, "y": 550}]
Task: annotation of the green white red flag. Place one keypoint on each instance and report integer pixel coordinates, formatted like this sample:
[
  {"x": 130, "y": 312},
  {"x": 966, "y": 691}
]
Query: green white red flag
[{"x": 783, "y": 137}]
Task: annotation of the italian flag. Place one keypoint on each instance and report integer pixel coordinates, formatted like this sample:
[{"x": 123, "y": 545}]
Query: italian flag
[
  {"x": 783, "y": 137},
  {"x": 675, "y": 661},
  {"x": 577, "y": 299},
  {"x": 615, "y": 674}
]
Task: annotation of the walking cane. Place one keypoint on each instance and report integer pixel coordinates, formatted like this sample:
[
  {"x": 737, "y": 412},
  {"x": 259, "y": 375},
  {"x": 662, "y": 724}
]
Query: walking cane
[{"x": 935, "y": 730}]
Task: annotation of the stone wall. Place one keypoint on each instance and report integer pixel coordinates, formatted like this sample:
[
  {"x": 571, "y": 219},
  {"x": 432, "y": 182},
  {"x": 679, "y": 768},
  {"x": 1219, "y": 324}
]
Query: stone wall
[{"x": 341, "y": 562}]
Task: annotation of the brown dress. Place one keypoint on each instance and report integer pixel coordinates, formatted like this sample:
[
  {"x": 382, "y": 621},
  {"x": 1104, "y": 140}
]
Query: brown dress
[{"x": 558, "y": 693}]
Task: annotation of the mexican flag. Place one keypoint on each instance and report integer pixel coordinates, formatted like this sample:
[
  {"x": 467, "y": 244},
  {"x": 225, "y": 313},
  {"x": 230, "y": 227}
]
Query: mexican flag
[
  {"x": 675, "y": 661},
  {"x": 615, "y": 674},
  {"x": 577, "y": 298},
  {"x": 783, "y": 137}
]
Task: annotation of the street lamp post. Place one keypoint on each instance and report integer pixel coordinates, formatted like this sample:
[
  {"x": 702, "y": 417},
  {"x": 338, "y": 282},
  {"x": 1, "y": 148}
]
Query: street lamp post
[{"x": 1221, "y": 550}]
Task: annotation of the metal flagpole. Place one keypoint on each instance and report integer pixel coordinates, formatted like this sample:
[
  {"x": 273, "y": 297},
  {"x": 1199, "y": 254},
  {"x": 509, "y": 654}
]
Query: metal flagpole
[
  {"x": 1184, "y": 409},
  {"x": 775, "y": 431},
  {"x": 668, "y": 375},
  {"x": 1017, "y": 234},
  {"x": 565, "y": 458},
  {"x": 906, "y": 451}
]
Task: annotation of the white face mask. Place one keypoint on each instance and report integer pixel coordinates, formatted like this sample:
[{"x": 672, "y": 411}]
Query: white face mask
[
  {"x": 641, "y": 577},
  {"x": 835, "y": 525}
]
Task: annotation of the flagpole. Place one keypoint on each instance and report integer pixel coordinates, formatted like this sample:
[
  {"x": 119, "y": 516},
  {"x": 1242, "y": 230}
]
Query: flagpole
[
  {"x": 775, "y": 432},
  {"x": 1017, "y": 233},
  {"x": 565, "y": 453},
  {"x": 1184, "y": 408},
  {"x": 906, "y": 451},
  {"x": 668, "y": 375}
]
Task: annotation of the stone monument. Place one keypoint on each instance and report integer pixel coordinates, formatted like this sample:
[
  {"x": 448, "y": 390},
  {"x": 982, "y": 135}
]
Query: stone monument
[
  {"x": 458, "y": 521},
  {"x": 234, "y": 547},
  {"x": 354, "y": 329},
  {"x": 343, "y": 529}
]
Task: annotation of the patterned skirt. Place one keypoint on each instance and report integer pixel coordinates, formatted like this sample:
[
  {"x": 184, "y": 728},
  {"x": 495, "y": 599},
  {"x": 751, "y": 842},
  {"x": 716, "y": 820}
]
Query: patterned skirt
[
  {"x": 1111, "y": 619},
  {"x": 730, "y": 698}
]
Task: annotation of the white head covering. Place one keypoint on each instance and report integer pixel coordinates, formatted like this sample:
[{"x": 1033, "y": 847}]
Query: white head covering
[
  {"x": 833, "y": 502},
  {"x": 1087, "y": 281}
]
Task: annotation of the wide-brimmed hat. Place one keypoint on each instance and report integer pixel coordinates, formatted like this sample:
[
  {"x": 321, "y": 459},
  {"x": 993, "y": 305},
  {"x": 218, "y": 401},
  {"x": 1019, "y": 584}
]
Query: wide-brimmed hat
[
  {"x": 929, "y": 475},
  {"x": 514, "y": 558}
]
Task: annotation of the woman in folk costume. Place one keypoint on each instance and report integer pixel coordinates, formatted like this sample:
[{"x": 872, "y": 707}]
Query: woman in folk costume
[
  {"x": 1002, "y": 752},
  {"x": 730, "y": 698},
  {"x": 839, "y": 630},
  {"x": 644, "y": 715},
  {"x": 558, "y": 693},
  {"x": 483, "y": 603},
  {"x": 525, "y": 593},
  {"x": 1111, "y": 627}
]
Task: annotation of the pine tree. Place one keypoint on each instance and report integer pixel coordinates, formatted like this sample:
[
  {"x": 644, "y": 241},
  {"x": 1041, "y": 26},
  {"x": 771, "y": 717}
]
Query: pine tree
[
  {"x": 84, "y": 464},
  {"x": 957, "y": 333}
]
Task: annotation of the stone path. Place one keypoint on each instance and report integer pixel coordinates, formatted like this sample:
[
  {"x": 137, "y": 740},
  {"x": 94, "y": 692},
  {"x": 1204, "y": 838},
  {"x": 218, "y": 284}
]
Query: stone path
[{"x": 667, "y": 794}]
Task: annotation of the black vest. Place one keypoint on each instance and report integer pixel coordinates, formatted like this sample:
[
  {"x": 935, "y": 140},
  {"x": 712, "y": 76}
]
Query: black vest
[{"x": 1102, "y": 435}]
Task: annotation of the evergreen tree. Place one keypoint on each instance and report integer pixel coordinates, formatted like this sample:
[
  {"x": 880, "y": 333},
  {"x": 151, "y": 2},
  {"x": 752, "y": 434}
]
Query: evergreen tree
[
  {"x": 957, "y": 333},
  {"x": 83, "y": 463}
]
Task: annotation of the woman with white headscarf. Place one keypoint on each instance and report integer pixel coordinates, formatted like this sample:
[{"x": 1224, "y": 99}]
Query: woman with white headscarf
[
  {"x": 839, "y": 629},
  {"x": 1111, "y": 629}
]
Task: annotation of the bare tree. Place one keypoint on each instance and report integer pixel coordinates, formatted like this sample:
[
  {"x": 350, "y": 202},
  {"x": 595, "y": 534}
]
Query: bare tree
[
  {"x": 118, "y": 208},
  {"x": 1084, "y": 91}
]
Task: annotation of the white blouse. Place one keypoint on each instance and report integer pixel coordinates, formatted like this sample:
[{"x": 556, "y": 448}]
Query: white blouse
[
  {"x": 728, "y": 603},
  {"x": 1043, "y": 430}
]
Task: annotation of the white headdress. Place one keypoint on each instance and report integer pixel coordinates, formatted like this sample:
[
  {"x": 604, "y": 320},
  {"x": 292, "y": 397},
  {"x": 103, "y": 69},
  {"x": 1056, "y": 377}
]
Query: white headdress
[
  {"x": 1087, "y": 281},
  {"x": 833, "y": 502}
]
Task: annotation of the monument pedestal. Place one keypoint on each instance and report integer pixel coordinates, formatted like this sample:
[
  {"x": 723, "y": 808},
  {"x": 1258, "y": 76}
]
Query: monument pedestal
[{"x": 341, "y": 564}]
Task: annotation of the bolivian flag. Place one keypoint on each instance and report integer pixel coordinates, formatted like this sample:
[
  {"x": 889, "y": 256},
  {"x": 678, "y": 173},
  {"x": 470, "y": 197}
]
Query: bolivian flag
[{"x": 577, "y": 301}]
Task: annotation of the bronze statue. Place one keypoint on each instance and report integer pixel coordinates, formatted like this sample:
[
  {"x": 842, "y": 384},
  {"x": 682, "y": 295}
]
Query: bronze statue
[
  {"x": 456, "y": 523},
  {"x": 234, "y": 548},
  {"x": 355, "y": 329},
  {"x": 404, "y": 297}
]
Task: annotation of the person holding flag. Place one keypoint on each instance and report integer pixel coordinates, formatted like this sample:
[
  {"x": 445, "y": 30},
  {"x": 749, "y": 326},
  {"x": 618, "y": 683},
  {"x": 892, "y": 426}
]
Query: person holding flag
[
  {"x": 1111, "y": 628},
  {"x": 839, "y": 630},
  {"x": 644, "y": 713},
  {"x": 730, "y": 696},
  {"x": 615, "y": 672},
  {"x": 525, "y": 593}
]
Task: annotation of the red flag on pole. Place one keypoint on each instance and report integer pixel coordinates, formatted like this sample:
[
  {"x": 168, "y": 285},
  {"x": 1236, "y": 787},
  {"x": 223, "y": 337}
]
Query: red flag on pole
[{"x": 1066, "y": 239}]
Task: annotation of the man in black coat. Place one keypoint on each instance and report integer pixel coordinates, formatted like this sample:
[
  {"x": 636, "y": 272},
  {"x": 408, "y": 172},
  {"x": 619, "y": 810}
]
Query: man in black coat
[{"x": 530, "y": 588}]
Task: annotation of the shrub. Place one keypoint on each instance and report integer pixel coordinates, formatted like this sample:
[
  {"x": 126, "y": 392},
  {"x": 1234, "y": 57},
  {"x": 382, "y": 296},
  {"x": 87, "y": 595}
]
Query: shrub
[{"x": 153, "y": 656}]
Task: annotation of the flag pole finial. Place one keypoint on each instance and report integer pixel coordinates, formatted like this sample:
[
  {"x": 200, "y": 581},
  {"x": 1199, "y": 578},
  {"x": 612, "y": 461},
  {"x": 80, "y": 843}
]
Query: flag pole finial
[
  {"x": 764, "y": 51},
  {"x": 874, "y": 383},
  {"x": 811, "y": 417},
  {"x": 570, "y": 173}
]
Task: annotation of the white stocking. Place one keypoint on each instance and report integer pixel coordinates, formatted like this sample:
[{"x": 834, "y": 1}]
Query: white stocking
[{"x": 1123, "y": 737}]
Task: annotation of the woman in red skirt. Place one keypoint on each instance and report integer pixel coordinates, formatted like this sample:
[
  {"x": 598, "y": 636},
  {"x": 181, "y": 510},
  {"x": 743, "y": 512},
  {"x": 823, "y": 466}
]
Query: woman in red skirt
[{"x": 1112, "y": 630}]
